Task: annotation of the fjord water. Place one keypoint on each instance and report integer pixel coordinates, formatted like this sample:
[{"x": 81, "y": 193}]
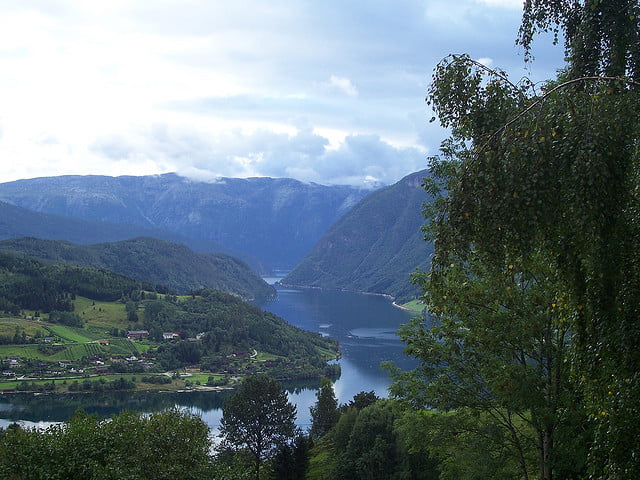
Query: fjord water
[{"x": 365, "y": 326}]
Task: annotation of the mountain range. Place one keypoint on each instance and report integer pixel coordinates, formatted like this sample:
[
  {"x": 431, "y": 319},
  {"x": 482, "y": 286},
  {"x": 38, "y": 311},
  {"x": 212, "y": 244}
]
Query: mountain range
[
  {"x": 276, "y": 221},
  {"x": 374, "y": 247},
  {"x": 337, "y": 237}
]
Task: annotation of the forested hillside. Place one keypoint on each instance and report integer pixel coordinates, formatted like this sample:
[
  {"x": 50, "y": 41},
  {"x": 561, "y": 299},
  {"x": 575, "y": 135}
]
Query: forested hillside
[
  {"x": 155, "y": 261},
  {"x": 374, "y": 247},
  {"x": 29, "y": 284},
  {"x": 210, "y": 330}
]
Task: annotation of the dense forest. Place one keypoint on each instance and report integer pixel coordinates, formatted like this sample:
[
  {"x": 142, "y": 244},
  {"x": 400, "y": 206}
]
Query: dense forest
[
  {"x": 27, "y": 283},
  {"x": 151, "y": 260}
]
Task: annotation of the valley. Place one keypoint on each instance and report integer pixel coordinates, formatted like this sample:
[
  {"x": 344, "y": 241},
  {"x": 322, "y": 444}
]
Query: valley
[{"x": 188, "y": 333}]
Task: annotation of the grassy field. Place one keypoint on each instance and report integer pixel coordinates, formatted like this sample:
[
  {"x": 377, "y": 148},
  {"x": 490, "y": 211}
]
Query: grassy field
[
  {"x": 8, "y": 327},
  {"x": 69, "y": 334},
  {"x": 328, "y": 354},
  {"x": 264, "y": 357},
  {"x": 27, "y": 351},
  {"x": 415, "y": 305},
  {"x": 101, "y": 314}
]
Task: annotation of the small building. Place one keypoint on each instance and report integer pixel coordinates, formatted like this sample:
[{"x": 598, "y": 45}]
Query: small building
[
  {"x": 170, "y": 335},
  {"x": 137, "y": 334}
]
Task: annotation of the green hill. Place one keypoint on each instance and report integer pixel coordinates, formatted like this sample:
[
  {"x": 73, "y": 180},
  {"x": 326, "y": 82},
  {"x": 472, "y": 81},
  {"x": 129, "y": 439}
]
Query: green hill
[
  {"x": 151, "y": 260},
  {"x": 374, "y": 247},
  {"x": 56, "y": 312}
]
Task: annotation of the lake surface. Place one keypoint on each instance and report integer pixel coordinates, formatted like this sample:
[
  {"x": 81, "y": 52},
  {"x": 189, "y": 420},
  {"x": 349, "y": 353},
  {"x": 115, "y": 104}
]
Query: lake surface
[{"x": 365, "y": 325}]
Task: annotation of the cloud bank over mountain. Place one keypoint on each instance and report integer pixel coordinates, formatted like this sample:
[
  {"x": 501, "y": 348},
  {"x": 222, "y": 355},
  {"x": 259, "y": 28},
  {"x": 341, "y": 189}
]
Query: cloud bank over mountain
[{"x": 330, "y": 92}]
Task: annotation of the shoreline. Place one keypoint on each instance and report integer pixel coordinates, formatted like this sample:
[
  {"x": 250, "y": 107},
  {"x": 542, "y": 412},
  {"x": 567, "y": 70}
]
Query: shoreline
[{"x": 385, "y": 295}]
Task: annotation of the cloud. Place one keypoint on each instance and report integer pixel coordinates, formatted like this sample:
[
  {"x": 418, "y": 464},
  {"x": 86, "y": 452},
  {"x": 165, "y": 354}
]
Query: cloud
[
  {"x": 487, "y": 62},
  {"x": 512, "y": 4},
  {"x": 328, "y": 91},
  {"x": 342, "y": 84},
  {"x": 304, "y": 155}
]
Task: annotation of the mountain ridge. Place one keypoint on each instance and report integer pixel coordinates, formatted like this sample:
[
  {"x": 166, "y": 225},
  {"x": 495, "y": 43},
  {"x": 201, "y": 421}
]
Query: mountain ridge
[
  {"x": 151, "y": 260},
  {"x": 353, "y": 255},
  {"x": 274, "y": 220}
]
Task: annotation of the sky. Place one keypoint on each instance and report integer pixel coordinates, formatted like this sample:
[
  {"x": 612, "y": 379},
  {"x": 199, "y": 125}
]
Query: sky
[{"x": 324, "y": 91}]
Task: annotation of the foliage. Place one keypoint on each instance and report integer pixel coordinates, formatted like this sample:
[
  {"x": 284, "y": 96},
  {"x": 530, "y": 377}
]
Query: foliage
[
  {"x": 467, "y": 445},
  {"x": 366, "y": 444},
  {"x": 498, "y": 348},
  {"x": 166, "y": 445},
  {"x": 541, "y": 192},
  {"x": 601, "y": 38},
  {"x": 259, "y": 418},
  {"x": 324, "y": 414},
  {"x": 65, "y": 318},
  {"x": 362, "y": 400},
  {"x": 292, "y": 460}
]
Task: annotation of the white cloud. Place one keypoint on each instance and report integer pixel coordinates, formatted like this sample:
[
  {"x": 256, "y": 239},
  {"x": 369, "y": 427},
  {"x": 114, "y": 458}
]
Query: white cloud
[
  {"x": 343, "y": 84},
  {"x": 512, "y": 4},
  {"x": 330, "y": 91}
]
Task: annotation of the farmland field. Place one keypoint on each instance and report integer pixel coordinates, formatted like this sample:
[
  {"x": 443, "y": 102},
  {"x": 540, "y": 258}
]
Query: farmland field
[
  {"x": 69, "y": 333},
  {"x": 103, "y": 314},
  {"x": 27, "y": 351},
  {"x": 8, "y": 327}
]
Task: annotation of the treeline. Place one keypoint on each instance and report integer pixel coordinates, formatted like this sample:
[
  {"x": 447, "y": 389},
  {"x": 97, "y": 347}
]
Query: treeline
[
  {"x": 26, "y": 283},
  {"x": 100, "y": 385},
  {"x": 167, "y": 445},
  {"x": 367, "y": 438}
]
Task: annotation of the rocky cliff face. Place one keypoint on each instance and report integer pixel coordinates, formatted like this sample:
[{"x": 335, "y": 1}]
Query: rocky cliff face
[{"x": 275, "y": 220}]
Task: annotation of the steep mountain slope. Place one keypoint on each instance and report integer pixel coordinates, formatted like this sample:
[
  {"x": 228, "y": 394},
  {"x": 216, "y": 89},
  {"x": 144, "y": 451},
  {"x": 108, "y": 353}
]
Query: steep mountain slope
[
  {"x": 275, "y": 220},
  {"x": 374, "y": 247},
  {"x": 151, "y": 260},
  {"x": 18, "y": 222}
]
